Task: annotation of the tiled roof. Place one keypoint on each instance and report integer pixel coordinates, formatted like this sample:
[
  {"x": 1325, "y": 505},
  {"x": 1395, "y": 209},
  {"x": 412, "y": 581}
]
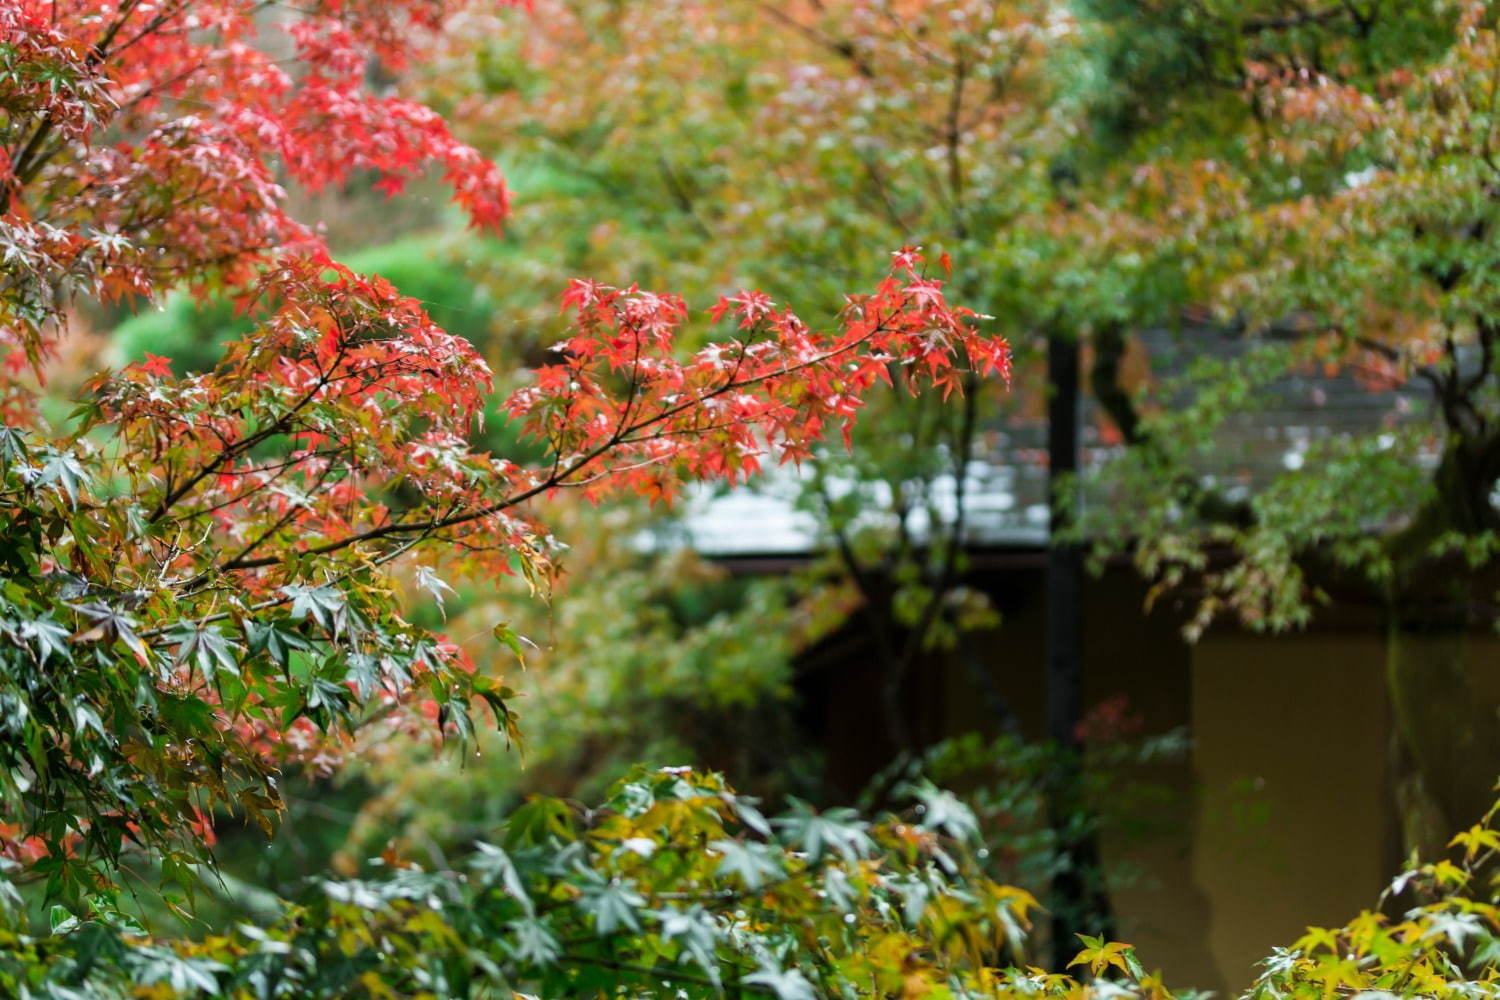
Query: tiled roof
[{"x": 1006, "y": 497}]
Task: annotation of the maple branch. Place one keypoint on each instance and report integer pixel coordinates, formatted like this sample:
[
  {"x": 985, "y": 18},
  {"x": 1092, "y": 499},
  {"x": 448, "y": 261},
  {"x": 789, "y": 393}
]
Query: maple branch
[
  {"x": 1304, "y": 18},
  {"x": 840, "y": 47},
  {"x": 269, "y": 531},
  {"x": 150, "y": 28},
  {"x": 238, "y": 448},
  {"x": 277, "y": 471},
  {"x": 681, "y": 196},
  {"x": 1488, "y": 331},
  {"x": 940, "y": 585},
  {"x": 874, "y": 609},
  {"x": 963, "y": 453},
  {"x": 662, "y": 435},
  {"x": 273, "y": 602},
  {"x": 898, "y": 22},
  {"x": 1104, "y": 379},
  {"x": 30, "y": 160},
  {"x": 156, "y": 88},
  {"x": 560, "y": 475},
  {"x": 886, "y": 204},
  {"x": 954, "y": 140}
]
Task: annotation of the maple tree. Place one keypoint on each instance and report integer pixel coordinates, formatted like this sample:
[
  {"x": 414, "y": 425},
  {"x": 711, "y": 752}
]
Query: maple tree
[
  {"x": 199, "y": 568},
  {"x": 1309, "y": 186},
  {"x": 825, "y": 126}
]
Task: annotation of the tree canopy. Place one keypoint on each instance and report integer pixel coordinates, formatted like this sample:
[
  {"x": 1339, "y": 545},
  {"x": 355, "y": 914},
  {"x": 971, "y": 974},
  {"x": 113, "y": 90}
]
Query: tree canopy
[
  {"x": 198, "y": 567},
  {"x": 205, "y": 565},
  {"x": 1280, "y": 191}
]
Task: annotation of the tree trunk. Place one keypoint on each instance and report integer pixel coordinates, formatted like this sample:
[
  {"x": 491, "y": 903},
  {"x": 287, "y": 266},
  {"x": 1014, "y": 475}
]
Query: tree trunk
[
  {"x": 1078, "y": 902},
  {"x": 1448, "y": 737}
]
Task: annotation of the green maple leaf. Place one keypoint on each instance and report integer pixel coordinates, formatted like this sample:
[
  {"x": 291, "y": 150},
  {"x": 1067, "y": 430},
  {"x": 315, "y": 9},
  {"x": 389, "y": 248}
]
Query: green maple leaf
[{"x": 752, "y": 864}]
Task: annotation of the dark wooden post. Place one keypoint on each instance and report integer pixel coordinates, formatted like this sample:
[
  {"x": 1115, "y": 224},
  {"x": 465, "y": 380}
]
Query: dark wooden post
[{"x": 1076, "y": 902}]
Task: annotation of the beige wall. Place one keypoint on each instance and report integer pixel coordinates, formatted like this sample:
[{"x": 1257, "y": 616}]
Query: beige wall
[
  {"x": 1293, "y": 825},
  {"x": 1281, "y": 817}
]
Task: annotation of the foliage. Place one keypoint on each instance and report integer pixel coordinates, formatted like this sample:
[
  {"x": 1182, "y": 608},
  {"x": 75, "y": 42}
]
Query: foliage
[
  {"x": 823, "y": 127},
  {"x": 638, "y": 657},
  {"x": 677, "y": 887},
  {"x": 1322, "y": 185},
  {"x": 203, "y": 570},
  {"x": 194, "y": 334},
  {"x": 1358, "y": 228},
  {"x": 1309, "y": 188},
  {"x": 1007, "y": 782},
  {"x": 1318, "y": 175},
  {"x": 199, "y": 572}
]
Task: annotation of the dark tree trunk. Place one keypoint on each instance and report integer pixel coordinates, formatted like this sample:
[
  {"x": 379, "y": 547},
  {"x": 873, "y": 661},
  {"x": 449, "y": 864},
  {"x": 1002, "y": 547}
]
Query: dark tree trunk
[
  {"x": 1078, "y": 902},
  {"x": 1064, "y": 563}
]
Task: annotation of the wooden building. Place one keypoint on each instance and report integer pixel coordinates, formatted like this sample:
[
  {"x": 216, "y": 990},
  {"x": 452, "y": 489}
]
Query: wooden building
[{"x": 1283, "y": 813}]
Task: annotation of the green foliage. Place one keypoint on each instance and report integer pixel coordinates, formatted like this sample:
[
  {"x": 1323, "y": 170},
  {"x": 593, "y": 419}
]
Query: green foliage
[
  {"x": 1200, "y": 54},
  {"x": 1328, "y": 172},
  {"x": 638, "y": 657},
  {"x": 1003, "y": 786},
  {"x": 430, "y": 269},
  {"x": 678, "y": 888},
  {"x": 92, "y": 748},
  {"x": 100, "y": 755},
  {"x": 675, "y": 887}
]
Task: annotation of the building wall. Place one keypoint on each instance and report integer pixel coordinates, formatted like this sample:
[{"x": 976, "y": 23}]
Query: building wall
[
  {"x": 1282, "y": 814},
  {"x": 1293, "y": 825}
]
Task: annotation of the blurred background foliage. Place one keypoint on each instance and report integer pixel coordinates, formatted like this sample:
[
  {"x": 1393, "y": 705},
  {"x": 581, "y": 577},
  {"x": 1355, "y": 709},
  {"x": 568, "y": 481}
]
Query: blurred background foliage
[{"x": 1094, "y": 168}]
